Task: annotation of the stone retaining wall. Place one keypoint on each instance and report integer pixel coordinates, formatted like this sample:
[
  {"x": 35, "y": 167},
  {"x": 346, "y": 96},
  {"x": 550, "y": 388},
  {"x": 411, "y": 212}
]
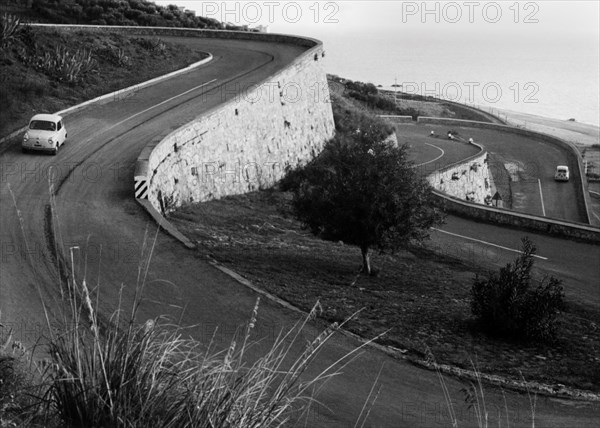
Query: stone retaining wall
[
  {"x": 246, "y": 143},
  {"x": 467, "y": 181}
]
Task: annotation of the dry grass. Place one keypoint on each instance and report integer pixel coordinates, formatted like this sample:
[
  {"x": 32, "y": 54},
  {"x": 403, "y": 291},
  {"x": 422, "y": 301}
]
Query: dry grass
[{"x": 421, "y": 296}]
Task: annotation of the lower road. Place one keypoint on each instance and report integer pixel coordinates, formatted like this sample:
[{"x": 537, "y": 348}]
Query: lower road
[
  {"x": 78, "y": 208},
  {"x": 493, "y": 246},
  {"x": 527, "y": 166}
]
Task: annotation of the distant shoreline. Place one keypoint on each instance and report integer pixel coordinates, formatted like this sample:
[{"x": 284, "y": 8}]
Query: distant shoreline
[
  {"x": 575, "y": 132},
  {"x": 579, "y": 133}
]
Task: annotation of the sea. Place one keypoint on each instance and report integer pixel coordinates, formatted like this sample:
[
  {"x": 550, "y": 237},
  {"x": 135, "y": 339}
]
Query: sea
[{"x": 552, "y": 76}]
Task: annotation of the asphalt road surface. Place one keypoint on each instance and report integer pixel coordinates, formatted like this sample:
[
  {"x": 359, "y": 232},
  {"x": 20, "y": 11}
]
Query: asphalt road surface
[
  {"x": 529, "y": 165},
  {"x": 84, "y": 211}
]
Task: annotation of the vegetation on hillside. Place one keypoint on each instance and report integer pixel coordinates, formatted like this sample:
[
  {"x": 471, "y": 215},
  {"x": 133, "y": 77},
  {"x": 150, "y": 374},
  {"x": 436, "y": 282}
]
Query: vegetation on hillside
[
  {"x": 46, "y": 70},
  {"x": 505, "y": 303},
  {"x": 367, "y": 96},
  {"x": 362, "y": 190},
  {"x": 109, "y": 12}
]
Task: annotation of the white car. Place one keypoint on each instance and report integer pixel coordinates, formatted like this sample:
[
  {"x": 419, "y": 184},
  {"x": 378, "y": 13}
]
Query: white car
[
  {"x": 46, "y": 132},
  {"x": 562, "y": 173}
]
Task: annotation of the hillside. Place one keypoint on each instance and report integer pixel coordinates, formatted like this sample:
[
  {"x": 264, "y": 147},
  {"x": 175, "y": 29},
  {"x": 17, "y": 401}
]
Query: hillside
[
  {"x": 107, "y": 12},
  {"x": 46, "y": 70}
]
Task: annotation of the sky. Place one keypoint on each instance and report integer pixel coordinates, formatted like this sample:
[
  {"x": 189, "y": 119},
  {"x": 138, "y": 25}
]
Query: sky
[
  {"x": 579, "y": 18},
  {"x": 555, "y": 44}
]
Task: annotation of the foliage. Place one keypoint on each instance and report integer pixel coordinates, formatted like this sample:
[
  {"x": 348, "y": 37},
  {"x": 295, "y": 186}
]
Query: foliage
[
  {"x": 155, "y": 45},
  {"x": 506, "y": 304},
  {"x": 61, "y": 63},
  {"x": 9, "y": 25},
  {"x": 382, "y": 102},
  {"x": 113, "y": 12},
  {"x": 369, "y": 96},
  {"x": 16, "y": 382},
  {"x": 361, "y": 87},
  {"x": 362, "y": 190},
  {"x": 115, "y": 55}
]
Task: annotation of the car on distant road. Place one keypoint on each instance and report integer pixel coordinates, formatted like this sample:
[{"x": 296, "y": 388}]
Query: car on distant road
[
  {"x": 46, "y": 132},
  {"x": 562, "y": 173}
]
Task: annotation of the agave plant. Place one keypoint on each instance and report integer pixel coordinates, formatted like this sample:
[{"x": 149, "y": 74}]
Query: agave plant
[
  {"x": 9, "y": 24},
  {"x": 65, "y": 65}
]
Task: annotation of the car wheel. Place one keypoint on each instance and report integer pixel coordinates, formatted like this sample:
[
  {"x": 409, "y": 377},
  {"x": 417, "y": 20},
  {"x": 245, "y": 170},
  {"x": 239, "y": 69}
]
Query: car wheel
[
  {"x": 55, "y": 151},
  {"x": 24, "y": 150}
]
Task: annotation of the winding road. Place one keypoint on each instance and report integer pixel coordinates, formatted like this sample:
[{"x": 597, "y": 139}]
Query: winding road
[{"x": 81, "y": 203}]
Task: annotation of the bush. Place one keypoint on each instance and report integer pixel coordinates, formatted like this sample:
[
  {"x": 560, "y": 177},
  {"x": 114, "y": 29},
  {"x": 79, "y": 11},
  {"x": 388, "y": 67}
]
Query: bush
[
  {"x": 155, "y": 45},
  {"x": 9, "y": 25},
  {"x": 505, "y": 304},
  {"x": 348, "y": 118},
  {"x": 60, "y": 63},
  {"x": 16, "y": 382},
  {"x": 377, "y": 101}
]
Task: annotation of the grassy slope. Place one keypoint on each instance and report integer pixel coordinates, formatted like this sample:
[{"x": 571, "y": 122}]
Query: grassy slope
[
  {"x": 421, "y": 296},
  {"x": 25, "y": 90}
]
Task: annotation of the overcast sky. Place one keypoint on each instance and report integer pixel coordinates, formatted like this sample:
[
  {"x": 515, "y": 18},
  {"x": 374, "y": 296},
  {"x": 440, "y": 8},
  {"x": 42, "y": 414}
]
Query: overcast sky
[{"x": 579, "y": 18}]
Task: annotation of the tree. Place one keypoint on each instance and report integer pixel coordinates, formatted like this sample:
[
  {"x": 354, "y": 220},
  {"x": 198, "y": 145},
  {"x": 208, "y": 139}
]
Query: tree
[{"x": 362, "y": 190}]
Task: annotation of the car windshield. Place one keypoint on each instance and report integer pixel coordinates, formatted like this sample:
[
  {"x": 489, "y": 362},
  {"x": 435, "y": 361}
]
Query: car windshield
[{"x": 42, "y": 125}]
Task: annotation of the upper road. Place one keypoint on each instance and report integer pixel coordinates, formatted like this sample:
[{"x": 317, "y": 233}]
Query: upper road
[{"x": 82, "y": 202}]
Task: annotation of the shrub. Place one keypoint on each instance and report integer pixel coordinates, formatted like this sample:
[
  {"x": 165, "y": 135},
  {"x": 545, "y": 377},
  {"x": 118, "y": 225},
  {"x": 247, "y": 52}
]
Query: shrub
[
  {"x": 506, "y": 304},
  {"x": 27, "y": 36},
  {"x": 155, "y": 45},
  {"x": 381, "y": 102},
  {"x": 115, "y": 55},
  {"x": 60, "y": 63},
  {"x": 17, "y": 388},
  {"x": 9, "y": 25}
]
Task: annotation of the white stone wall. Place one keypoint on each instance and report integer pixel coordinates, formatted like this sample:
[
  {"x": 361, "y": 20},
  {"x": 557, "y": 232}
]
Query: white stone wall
[
  {"x": 470, "y": 181},
  {"x": 247, "y": 143}
]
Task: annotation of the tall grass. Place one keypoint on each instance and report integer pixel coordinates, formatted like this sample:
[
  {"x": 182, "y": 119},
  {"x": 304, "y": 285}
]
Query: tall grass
[
  {"x": 121, "y": 373},
  {"x": 475, "y": 400},
  {"x": 151, "y": 375}
]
